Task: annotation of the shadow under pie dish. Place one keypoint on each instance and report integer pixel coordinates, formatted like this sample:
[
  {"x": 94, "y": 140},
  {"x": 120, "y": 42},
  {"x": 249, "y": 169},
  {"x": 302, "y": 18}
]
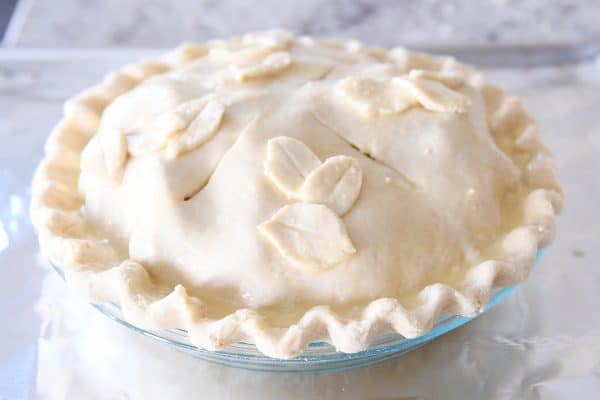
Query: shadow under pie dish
[{"x": 281, "y": 191}]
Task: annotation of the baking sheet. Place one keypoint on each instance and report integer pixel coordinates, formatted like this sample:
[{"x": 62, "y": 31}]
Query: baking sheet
[{"x": 542, "y": 342}]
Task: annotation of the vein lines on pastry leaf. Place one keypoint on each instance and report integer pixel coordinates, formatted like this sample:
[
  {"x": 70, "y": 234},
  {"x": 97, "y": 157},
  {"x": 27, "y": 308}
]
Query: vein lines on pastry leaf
[
  {"x": 288, "y": 163},
  {"x": 270, "y": 65},
  {"x": 452, "y": 79},
  {"x": 374, "y": 98},
  {"x": 205, "y": 182},
  {"x": 253, "y": 47},
  {"x": 309, "y": 235},
  {"x": 335, "y": 183},
  {"x": 325, "y": 189},
  {"x": 199, "y": 130},
  {"x": 274, "y": 38},
  {"x": 180, "y": 130},
  {"x": 114, "y": 146}
]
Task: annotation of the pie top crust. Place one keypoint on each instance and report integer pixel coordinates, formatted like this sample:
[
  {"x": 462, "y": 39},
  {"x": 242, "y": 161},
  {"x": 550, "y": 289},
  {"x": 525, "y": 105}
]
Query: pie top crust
[{"x": 280, "y": 190}]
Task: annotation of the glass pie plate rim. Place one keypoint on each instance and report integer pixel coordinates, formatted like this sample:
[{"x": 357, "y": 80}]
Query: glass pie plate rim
[{"x": 319, "y": 356}]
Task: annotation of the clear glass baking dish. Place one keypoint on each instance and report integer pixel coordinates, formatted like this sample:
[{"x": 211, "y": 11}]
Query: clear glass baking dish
[{"x": 319, "y": 356}]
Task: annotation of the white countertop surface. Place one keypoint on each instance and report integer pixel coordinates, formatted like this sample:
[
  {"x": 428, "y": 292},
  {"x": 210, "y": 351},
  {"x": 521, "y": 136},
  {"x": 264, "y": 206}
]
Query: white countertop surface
[{"x": 542, "y": 342}]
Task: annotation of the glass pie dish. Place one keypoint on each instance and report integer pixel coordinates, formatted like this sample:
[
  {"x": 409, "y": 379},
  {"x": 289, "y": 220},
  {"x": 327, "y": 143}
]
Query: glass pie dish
[{"x": 319, "y": 356}]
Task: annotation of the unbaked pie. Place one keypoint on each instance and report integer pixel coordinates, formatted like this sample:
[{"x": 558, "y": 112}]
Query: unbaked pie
[{"x": 279, "y": 190}]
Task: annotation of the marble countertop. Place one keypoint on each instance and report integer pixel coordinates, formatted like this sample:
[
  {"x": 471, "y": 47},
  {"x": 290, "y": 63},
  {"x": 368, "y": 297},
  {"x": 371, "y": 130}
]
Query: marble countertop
[{"x": 164, "y": 23}]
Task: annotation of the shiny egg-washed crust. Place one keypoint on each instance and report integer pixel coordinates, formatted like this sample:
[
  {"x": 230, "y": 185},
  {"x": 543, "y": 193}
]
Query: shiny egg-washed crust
[{"x": 94, "y": 269}]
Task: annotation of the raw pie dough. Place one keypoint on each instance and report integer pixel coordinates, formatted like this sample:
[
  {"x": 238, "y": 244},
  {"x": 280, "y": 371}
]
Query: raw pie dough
[{"x": 280, "y": 190}]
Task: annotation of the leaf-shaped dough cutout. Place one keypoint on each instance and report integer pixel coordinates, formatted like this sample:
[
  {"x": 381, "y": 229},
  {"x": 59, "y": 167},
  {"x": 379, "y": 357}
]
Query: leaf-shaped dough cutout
[
  {"x": 272, "y": 38},
  {"x": 114, "y": 148},
  {"x": 288, "y": 163},
  {"x": 433, "y": 95},
  {"x": 154, "y": 134},
  {"x": 311, "y": 236},
  {"x": 268, "y": 66},
  {"x": 202, "y": 128},
  {"x": 239, "y": 55},
  {"x": 372, "y": 98},
  {"x": 452, "y": 79},
  {"x": 335, "y": 183}
]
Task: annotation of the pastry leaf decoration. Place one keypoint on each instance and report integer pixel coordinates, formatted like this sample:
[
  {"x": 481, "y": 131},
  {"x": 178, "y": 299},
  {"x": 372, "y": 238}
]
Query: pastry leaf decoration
[
  {"x": 114, "y": 148},
  {"x": 288, "y": 163},
  {"x": 335, "y": 183},
  {"x": 179, "y": 130},
  {"x": 268, "y": 66},
  {"x": 311, "y": 233},
  {"x": 432, "y": 90},
  {"x": 310, "y": 236},
  {"x": 373, "y": 98},
  {"x": 452, "y": 79},
  {"x": 154, "y": 134},
  {"x": 251, "y": 47},
  {"x": 200, "y": 130},
  {"x": 433, "y": 95}
]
